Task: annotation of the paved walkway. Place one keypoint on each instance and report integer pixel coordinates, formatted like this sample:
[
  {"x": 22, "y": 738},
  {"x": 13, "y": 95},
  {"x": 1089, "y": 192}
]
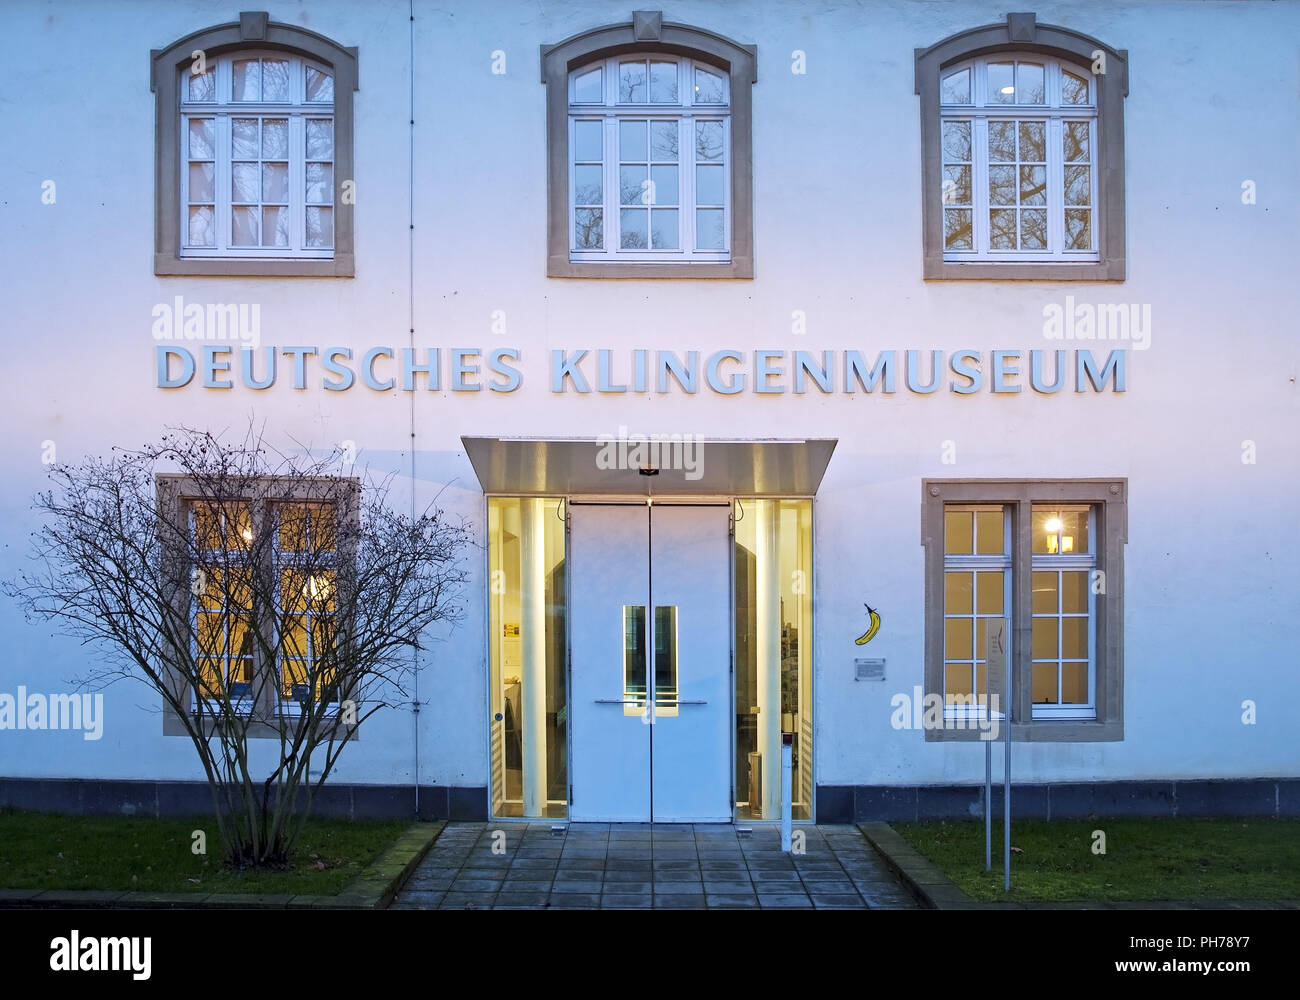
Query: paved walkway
[{"x": 630, "y": 865}]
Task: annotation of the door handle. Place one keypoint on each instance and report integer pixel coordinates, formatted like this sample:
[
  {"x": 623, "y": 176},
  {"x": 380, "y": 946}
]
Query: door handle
[
  {"x": 618, "y": 701},
  {"x": 687, "y": 702}
]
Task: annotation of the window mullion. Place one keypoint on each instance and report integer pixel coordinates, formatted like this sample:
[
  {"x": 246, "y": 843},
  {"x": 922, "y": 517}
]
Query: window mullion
[
  {"x": 1055, "y": 188},
  {"x": 222, "y": 162},
  {"x": 980, "y": 183},
  {"x": 612, "y": 197}
]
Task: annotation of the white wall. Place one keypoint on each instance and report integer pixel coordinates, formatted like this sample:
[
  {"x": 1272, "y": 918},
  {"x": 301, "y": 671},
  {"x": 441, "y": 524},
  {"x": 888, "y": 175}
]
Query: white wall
[{"x": 1212, "y": 595}]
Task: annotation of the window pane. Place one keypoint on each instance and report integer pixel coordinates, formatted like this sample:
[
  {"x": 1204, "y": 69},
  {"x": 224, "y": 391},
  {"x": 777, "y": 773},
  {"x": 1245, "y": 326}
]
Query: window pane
[
  {"x": 708, "y": 140},
  {"x": 1044, "y": 692},
  {"x": 243, "y": 139},
  {"x": 955, "y": 88},
  {"x": 275, "y": 139},
  {"x": 665, "y": 229},
  {"x": 957, "y": 233},
  {"x": 1074, "y": 638},
  {"x": 244, "y": 183},
  {"x": 202, "y": 228},
  {"x": 247, "y": 80},
  {"x": 320, "y": 227},
  {"x": 202, "y": 86},
  {"x": 1074, "y": 592},
  {"x": 1074, "y": 683},
  {"x": 958, "y": 532},
  {"x": 1002, "y": 89},
  {"x": 202, "y": 181},
  {"x": 588, "y": 87},
  {"x": 663, "y": 83},
  {"x": 634, "y": 650},
  {"x": 587, "y": 143},
  {"x": 589, "y": 229},
  {"x": 1029, "y": 84},
  {"x": 957, "y": 594},
  {"x": 1002, "y": 185},
  {"x": 633, "y": 226},
  {"x": 1033, "y": 185},
  {"x": 708, "y": 185},
  {"x": 665, "y": 652},
  {"x": 320, "y": 86},
  {"x": 956, "y": 185},
  {"x": 957, "y": 680},
  {"x": 710, "y": 229},
  {"x": 275, "y": 227},
  {"x": 632, "y": 83},
  {"x": 1078, "y": 229},
  {"x": 1074, "y": 89},
  {"x": 957, "y": 638},
  {"x": 663, "y": 141},
  {"x": 1033, "y": 142},
  {"x": 1045, "y": 594},
  {"x": 1045, "y": 527},
  {"x": 275, "y": 80},
  {"x": 1078, "y": 188},
  {"x": 1002, "y": 142},
  {"x": 956, "y": 141},
  {"x": 1074, "y": 529},
  {"x": 244, "y": 228},
  {"x": 588, "y": 184},
  {"x": 202, "y": 138},
  {"x": 632, "y": 142},
  {"x": 320, "y": 139},
  {"x": 990, "y": 589},
  {"x": 632, "y": 186},
  {"x": 1075, "y": 141},
  {"x": 275, "y": 182},
  {"x": 709, "y": 87},
  {"x": 1002, "y": 229},
  {"x": 665, "y": 185},
  {"x": 1033, "y": 229},
  {"x": 320, "y": 183},
  {"x": 988, "y": 532},
  {"x": 1045, "y": 638}
]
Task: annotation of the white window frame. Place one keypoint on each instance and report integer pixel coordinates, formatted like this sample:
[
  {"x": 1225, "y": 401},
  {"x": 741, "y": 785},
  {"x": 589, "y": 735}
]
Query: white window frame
[
  {"x": 1054, "y": 113},
  {"x": 297, "y": 110},
  {"x": 973, "y": 563},
  {"x": 1085, "y": 562},
  {"x": 243, "y": 703},
  {"x": 284, "y": 559},
  {"x": 686, "y": 113}
]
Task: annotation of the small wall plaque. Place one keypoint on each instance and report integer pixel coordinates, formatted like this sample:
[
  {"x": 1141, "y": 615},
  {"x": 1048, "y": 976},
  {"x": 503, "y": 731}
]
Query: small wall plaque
[{"x": 868, "y": 670}]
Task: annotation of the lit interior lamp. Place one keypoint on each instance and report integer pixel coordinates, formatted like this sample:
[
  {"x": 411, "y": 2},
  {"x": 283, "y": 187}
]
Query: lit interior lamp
[
  {"x": 248, "y": 535},
  {"x": 1053, "y": 527},
  {"x": 316, "y": 587},
  {"x": 1008, "y": 90}
]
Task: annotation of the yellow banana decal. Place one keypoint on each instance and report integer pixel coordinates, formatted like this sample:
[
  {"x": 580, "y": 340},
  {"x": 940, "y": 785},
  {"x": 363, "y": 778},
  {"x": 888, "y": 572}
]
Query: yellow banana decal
[{"x": 870, "y": 633}]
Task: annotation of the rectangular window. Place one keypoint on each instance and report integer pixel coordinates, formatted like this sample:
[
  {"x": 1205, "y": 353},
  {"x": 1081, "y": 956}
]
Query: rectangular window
[
  {"x": 1045, "y": 558},
  {"x": 241, "y": 625}
]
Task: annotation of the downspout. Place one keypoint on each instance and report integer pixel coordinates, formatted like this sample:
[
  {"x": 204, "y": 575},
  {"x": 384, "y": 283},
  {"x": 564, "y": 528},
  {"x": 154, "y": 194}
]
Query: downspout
[{"x": 410, "y": 296}]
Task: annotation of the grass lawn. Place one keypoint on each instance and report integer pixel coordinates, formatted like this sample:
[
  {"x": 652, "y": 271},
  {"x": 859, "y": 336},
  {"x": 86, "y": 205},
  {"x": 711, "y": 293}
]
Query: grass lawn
[
  {"x": 48, "y": 851},
  {"x": 1145, "y": 859}
]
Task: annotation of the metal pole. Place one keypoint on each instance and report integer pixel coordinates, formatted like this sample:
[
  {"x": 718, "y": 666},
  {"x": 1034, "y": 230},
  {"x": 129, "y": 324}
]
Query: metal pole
[
  {"x": 1006, "y": 787},
  {"x": 787, "y": 768},
  {"x": 988, "y": 805}
]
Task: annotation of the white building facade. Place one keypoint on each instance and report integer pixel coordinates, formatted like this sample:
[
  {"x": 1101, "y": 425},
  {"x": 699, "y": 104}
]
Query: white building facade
[{"x": 739, "y": 333}]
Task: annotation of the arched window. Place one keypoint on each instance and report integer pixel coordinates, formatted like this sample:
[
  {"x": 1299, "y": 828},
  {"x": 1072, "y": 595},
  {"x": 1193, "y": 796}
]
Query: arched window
[
  {"x": 1018, "y": 170},
  {"x": 254, "y": 170},
  {"x": 650, "y": 153},
  {"x": 1023, "y": 136},
  {"x": 635, "y": 196}
]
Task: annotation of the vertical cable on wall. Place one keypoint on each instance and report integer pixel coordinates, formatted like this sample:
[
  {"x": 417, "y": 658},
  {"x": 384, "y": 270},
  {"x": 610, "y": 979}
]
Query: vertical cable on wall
[{"x": 410, "y": 299}]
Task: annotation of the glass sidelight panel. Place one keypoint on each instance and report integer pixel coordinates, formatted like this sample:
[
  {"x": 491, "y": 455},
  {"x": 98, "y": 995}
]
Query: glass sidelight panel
[
  {"x": 773, "y": 593},
  {"x": 526, "y": 562},
  {"x": 634, "y": 659},
  {"x": 665, "y": 659}
]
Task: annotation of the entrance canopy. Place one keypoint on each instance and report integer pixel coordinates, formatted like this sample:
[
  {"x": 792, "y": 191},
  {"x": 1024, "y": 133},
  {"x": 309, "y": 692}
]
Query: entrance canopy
[{"x": 654, "y": 465}]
